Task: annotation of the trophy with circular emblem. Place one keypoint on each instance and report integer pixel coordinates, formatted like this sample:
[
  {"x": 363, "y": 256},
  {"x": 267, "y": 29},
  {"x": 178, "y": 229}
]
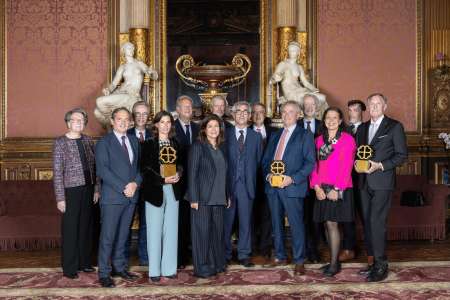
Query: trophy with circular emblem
[
  {"x": 167, "y": 157},
  {"x": 277, "y": 169},
  {"x": 364, "y": 154}
]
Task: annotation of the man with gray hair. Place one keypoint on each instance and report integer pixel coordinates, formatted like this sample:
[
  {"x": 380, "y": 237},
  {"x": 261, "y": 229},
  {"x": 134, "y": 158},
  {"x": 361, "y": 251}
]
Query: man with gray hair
[
  {"x": 219, "y": 107},
  {"x": 244, "y": 152}
]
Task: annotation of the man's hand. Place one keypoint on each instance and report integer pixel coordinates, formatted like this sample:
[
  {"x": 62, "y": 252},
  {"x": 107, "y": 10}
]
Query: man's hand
[
  {"x": 194, "y": 205},
  {"x": 130, "y": 189},
  {"x": 61, "y": 205},
  {"x": 96, "y": 197},
  {"x": 287, "y": 181},
  {"x": 333, "y": 195},
  {"x": 228, "y": 203},
  {"x": 374, "y": 166},
  {"x": 172, "y": 179},
  {"x": 320, "y": 194}
]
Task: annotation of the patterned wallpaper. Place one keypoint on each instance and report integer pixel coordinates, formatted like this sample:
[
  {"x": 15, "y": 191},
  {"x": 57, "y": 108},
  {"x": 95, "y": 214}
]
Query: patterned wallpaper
[
  {"x": 56, "y": 60},
  {"x": 367, "y": 46}
]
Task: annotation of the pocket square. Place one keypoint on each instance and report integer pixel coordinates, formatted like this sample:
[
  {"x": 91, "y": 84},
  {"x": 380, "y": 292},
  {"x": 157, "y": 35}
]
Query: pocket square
[{"x": 382, "y": 136}]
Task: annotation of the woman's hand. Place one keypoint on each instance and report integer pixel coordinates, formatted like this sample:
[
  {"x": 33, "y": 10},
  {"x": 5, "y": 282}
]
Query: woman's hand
[
  {"x": 333, "y": 195},
  {"x": 61, "y": 205},
  {"x": 320, "y": 194},
  {"x": 194, "y": 205},
  {"x": 96, "y": 197}
]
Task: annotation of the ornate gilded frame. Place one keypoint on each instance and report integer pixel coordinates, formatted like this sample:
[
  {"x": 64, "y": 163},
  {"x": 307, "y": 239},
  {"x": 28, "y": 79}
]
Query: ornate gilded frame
[{"x": 30, "y": 158}]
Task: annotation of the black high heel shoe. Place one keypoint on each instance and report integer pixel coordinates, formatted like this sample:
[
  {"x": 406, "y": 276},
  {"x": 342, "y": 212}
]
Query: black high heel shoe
[{"x": 332, "y": 270}]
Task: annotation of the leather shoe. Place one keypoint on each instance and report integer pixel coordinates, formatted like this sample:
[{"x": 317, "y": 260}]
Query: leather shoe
[
  {"x": 174, "y": 276},
  {"x": 299, "y": 269},
  {"x": 314, "y": 258},
  {"x": 88, "y": 270},
  {"x": 332, "y": 270},
  {"x": 246, "y": 263},
  {"x": 107, "y": 282},
  {"x": 71, "y": 276},
  {"x": 366, "y": 271},
  {"x": 155, "y": 278},
  {"x": 346, "y": 255},
  {"x": 125, "y": 275},
  {"x": 379, "y": 273},
  {"x": 278, "y": 263}
]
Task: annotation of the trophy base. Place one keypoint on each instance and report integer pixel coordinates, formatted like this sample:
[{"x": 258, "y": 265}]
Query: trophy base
[
  {"x": 276, "y": 181},
  {"x": 168, "y": 170},
  {"x": 362, "y": 166}
]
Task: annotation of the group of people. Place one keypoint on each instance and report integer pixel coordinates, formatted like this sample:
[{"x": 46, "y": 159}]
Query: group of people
[{"x": 222, "y": 187}]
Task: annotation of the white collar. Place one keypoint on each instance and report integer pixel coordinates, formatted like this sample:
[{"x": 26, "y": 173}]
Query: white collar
[{"x": 377, "y": 122}]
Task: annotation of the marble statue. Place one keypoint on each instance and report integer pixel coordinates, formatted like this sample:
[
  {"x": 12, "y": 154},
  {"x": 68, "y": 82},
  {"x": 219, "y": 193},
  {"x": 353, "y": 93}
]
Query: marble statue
[
  {"x": 294, "y": 84},
  {"x": 129, "y": 91}
]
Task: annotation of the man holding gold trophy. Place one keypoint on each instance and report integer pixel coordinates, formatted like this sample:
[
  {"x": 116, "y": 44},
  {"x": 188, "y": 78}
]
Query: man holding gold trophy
[
  {"x": 287, "y": 162},
  {"x": 381, "y": 148}
]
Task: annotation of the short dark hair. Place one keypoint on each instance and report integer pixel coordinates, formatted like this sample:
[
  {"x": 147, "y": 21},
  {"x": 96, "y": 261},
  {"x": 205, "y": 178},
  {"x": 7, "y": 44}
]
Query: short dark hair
[
  {"x": 79, "y": 110},
  {"x": 379, "y": 95},
  {"x": 158, "y": 118},
  {"x": 116, "y": 110},
  {"x": 341, "y": 117},
  {"x": 361, "y": 104},
  {"x": 202, "y": 134}
]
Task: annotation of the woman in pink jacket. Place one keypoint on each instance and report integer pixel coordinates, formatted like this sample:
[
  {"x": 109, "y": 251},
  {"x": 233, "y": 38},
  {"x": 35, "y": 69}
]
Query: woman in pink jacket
[{"x": 332, "y": 181}]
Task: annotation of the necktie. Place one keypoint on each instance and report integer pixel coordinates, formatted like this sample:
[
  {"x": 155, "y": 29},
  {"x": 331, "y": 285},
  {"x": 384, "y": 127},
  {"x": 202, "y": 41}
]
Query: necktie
[
  {"x": 241, "y": 140},
  {"x": 125, "y": 148},
  {"x": 281, "y": 145},
  {"x": 141, "y": 137},
  {"x": 188, "y": 133},
  {"x": 308, "y": 126},
  {"x": 372, "y": 130},
  {"x": 353, "y": 128}
]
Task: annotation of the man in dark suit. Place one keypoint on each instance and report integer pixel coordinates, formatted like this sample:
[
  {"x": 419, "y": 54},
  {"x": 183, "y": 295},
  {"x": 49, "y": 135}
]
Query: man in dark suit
[
  {"x": 186, "y": 133},
  {"x": 262, "y": 225},
  {"x": 140, "y": 112},
  {"x": 387, "y": 137},
  {"x": 313, "y": 229},
  {"x": 295, "y": 147},
  {"x": 244, "y": 151},
  {"x": 219, "y": 107},
  {"x": 116, "y": 157},
  {"x": 355, "y": 114}
]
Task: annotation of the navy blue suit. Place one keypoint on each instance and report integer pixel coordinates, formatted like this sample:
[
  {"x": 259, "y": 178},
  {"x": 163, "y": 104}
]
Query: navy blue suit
[
  {"x": 299, "y": 159},
  {"x": 115, "y": 172},
  {"x": 241, "y": 181},
  {"x": 142, "y": 234}
]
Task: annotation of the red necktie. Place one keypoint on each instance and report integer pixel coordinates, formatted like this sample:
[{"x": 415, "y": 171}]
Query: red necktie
[
  {"x": 281, "y": 145},
  {"x": 141, "y": 137}
]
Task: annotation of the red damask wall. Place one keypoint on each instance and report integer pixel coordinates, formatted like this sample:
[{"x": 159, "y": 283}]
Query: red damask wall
[
  {"x": 56, "y": 60},
  {"x": 369, "y": 46}
]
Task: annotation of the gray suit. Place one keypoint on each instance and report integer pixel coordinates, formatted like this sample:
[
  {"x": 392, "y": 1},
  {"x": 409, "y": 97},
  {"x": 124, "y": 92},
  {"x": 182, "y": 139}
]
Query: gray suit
[{"x": 115, "y": 172}]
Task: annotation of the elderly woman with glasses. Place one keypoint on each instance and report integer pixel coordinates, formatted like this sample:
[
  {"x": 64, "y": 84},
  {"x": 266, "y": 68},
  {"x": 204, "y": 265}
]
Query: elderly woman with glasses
[{"x": 74, "y": 184}]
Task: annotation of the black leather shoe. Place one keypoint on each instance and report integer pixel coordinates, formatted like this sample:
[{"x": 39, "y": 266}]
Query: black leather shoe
[
  {"x": 71, "y": 276},
  {"x": 378, "y": 273},
  {"x": 88, "y": 270},
  {"x": 246, "y": 263},
  {"x": 324, "y": 267},
  {"x": 107, "y": 282},
  {"x": 366, "y": 271},
  {"x": 314, "y": 258},
  {"x": 155, "y": 278},
  {"x": 332, "y": 270},
  {"x": 125, "y": 275}
]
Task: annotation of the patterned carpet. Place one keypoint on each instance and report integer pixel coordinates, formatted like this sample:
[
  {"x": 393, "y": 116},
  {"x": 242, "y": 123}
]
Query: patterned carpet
[{"x": 407, "y": 280}]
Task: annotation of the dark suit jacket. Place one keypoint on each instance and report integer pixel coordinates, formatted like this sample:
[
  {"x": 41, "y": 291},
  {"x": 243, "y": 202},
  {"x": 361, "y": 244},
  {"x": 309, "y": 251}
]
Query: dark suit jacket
[
  {"x": 152, "y": 184},
  {"x": 114, "y": 169},
  {"x": 299, "y": 157},
  {"x": 201, "y": 173},
  {"x": 318, "y": 128},
  {"x": 252, "y": 154},
  {"x": 148, "y": 133},
  {"x": 389, "y": 144}
]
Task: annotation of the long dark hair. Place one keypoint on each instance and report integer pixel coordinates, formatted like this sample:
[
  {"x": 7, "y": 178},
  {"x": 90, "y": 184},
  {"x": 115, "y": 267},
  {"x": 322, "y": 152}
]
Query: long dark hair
[
  {"x": 324, "y": 126},
  {"x": 158, "y": 118},
  {"x": 202, "y": 134}
]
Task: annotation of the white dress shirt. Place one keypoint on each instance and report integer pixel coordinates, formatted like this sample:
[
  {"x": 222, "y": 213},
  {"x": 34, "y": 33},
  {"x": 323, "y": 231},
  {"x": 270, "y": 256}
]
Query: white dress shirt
[
  {"x": 312, "y": 124},
  {"x": 286, "y": 140},
  {"x": 127, "y": 142},
  {"x": 261, "y": 129},
  {"x": 374, "y": 128},
  {"x": 238, "y": 133}
]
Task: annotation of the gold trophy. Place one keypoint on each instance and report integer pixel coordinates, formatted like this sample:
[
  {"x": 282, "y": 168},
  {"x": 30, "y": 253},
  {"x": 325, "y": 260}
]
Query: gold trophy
[
  {"x": 277, "y": 169},
  {"x": 167, "y": 157},
  {"x": 364, "y": 153}
]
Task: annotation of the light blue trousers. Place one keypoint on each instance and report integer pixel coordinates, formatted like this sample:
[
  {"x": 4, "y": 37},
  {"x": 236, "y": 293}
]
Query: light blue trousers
[{"x": 162, "y": 235}]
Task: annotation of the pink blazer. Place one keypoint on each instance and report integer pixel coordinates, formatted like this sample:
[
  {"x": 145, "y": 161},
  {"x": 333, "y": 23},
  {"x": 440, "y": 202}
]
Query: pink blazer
[{"x": 337, "y": 169}]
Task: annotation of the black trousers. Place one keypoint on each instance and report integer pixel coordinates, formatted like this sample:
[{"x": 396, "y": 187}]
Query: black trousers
[
  {"x": 313, "y": 230},
  {"x": 184, "y": 232},
  {"x": 208, "y": 243},
  {"x": 262, "y": 226},
  {"x": 77, "y": 229},
  {"x": 375, "y": 206},
  {"x": 349, "y": 228}
]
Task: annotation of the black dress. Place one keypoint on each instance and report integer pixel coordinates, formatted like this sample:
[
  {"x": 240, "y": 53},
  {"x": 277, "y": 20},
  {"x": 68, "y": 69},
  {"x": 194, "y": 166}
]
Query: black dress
[{"x": 335, "y": 211}]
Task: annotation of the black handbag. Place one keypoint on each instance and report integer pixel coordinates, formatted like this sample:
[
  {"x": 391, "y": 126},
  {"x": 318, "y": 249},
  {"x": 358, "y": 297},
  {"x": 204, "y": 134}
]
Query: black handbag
[{"x": 412, "y": 198}]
